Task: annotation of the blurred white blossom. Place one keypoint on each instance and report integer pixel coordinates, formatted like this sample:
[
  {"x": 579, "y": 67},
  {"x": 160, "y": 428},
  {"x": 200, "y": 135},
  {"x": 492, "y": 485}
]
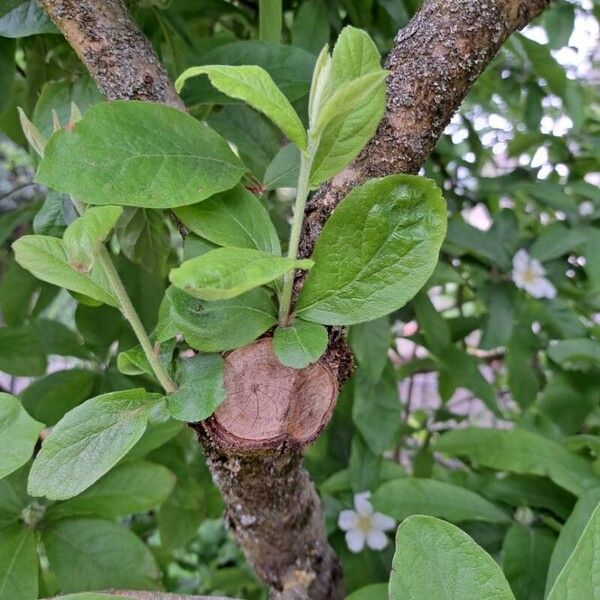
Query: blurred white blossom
[
  {"x": 586, "y": 208},
  {"x": 528, "y": 274},
  {"x": 364, "y": 525}
]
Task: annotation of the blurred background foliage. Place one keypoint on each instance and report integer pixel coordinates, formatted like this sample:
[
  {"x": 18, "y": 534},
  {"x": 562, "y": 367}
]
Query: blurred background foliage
[{"x": 477, "y": 402}]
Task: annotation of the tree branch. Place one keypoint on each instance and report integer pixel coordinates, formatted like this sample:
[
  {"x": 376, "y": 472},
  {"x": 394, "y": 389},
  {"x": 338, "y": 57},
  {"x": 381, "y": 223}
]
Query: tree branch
[
  {"x": 434, "y": 61},
  {"x": 116, "y": 53}
]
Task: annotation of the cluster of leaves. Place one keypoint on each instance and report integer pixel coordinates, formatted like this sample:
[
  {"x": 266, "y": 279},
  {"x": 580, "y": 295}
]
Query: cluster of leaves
[{"x": 118, "y": 494}]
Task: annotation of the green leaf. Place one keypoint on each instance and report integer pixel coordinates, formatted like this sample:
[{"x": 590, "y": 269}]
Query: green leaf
[
  {"x": 182, "y": 513},
  {"x": 310, "y": 29},
  {"x": 200, "y": 381},
  {"x": 54, "y": 215},
  {"x": 520, "y": 451},
  {"x": 13, "y": 497},
  {"x": 18, "y": 563},
  {"x": 228, "y": 272},
  {"x": 348, "y": 97},
  {"x": 284, "y": 169},
  {"x": 555, "y": 241},
  {"x": 234, "y": 218},
  {"x": 579, "y": 577},
  {"x": 19, "y": 434},
  {"x": 139, "y": 154},
  {"x": 253, "y": 85},
  {"x": 355, "y": 55},
  {"x": 21, "y": 353},
  {"x": 46, "y": 258},
  {"x": 88, "y": 441},
  {"x": 20, "y": 18},
  {"x": 270, "y": 19},
  {"x": 289, "y": 67},
  {"x": 58, "y": 339},
  {"x": 83, "y": 237},
  {"x": 300, "y": 343},
  {"x": 221, "y": 325},
  {"x": 525, "y": 556},
  {"x": 408, "y": 496},
  {"x": 376, "y": 251},
  {"x": 376, "y": 409},
  {"x": 144, "y": 237},
  {"x": 466, "y": 239},
  {"x": 87, "y": 554},
  {"x": 570, "y": 534},
  {"x": 435, "y": 559},
  {"x": 375, "y": 591},
  {"x": 57, "y": 98},
  {"x": 7, "y": 71},
  {"x": 132, "y": 487},
  {"x": 576, "y": 353},
  {"x": 255, "y": 138},
  {"x": 370, "y": 343}
]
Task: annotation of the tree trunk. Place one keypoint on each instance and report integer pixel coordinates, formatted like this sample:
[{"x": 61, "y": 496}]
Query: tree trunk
[{"x": 253, "y": 443}]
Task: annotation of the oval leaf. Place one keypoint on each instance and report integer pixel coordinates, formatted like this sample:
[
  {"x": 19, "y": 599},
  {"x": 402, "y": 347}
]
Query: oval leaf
[
  {"x": 93, "y": 553},
  {"x": 18, "y": 563},
  {"x": 224, "y": 324},
  {"x": 132, "y": 487},
  {"x": 228, "y": 272},
  {"x": 253, "y": 85},
  {"x": 354, "y": 55},
  {"x": 139, "y": 154},
  {"x": 300, "y": 343},
  {"x": 18, "y": 434},
  {"x": 376, "y": 251},
  {"x": 402, "y": 498},
  {"x": 579, "y": 577},
  {"x": 46, "y": 258},
  {"x": 233, "y": 218},
  {"x": 200, "y": 388},
  {"x": 520, "y": 451},
  {"x": 88, "y": 441},
  {"x": 435, "y": 559}
]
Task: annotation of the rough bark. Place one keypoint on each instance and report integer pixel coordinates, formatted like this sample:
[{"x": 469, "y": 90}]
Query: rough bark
[
  {"x": 272, "y": 506},
  {"x": 116, "y": 53},
  {"x": 434, "y": 61},
  {"x": 275, "y": 514}
]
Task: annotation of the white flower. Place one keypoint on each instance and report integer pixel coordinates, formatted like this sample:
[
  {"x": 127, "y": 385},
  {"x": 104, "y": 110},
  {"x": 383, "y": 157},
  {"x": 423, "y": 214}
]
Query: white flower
[
  {"x": 364, "y": 525},
  {"x": 586, "y": 208},
  {"x": 528, "y": 274}
]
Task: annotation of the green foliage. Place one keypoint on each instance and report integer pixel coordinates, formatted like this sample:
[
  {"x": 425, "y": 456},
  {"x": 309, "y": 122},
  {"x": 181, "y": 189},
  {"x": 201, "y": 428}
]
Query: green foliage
[
  {"x": 234, "y": 218},
  {"x": 83, "y": 238},
  {"x": 220, "y": 325},
  {"x": 253, "y": 85},
  {"x": 299, "y": 343},
  {"x": 578, "y": 577},
  {"x": 18, "y": 563},
  {"x": 346, "y": 286},
  {"x": 191, "y": 163},
  {"x": 474, "y": 397},
  {"x": 88, "y": 441},
  {"x": 435, "y": 559},
  {"x": 404, "y": 497},
  {"x": 46, "y": 257},
  {"x": 228, "y": 272},
  {"x": 19, "y": 434},
  {"x": 200, "y": 388}
]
